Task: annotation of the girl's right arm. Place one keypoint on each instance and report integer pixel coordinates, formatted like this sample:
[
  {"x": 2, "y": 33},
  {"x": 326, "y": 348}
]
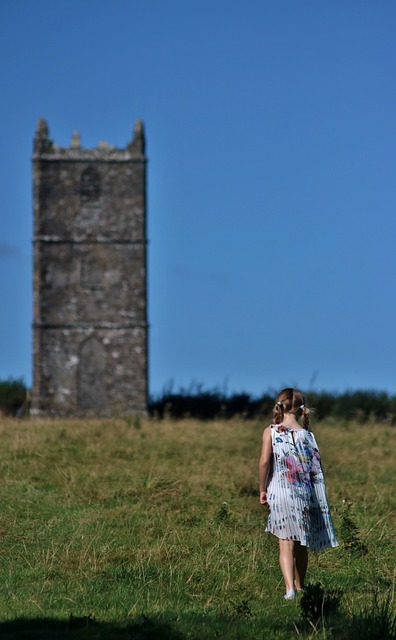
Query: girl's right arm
[{"x": 265, "y": 464}]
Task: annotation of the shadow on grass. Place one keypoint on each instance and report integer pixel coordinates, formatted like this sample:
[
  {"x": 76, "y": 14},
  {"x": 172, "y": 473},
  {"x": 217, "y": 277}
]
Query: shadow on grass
[
  {"x": 87, "y": 628},
  {"x": 191, "y": 627},
  {"x": 369, "y": 625}
]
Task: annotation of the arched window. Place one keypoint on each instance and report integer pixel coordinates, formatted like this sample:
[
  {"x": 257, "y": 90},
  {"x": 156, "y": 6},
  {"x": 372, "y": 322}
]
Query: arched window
[{"x": 90, "y": 185}]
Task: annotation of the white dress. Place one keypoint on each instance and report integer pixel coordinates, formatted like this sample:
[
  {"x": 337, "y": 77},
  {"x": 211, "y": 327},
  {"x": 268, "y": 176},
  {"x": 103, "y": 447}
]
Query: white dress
[{"x": 296, "y": 491}]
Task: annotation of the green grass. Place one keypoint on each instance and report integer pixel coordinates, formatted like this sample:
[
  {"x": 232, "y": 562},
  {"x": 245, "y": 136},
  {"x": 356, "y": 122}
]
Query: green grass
[{"x": 129, "y": 529}]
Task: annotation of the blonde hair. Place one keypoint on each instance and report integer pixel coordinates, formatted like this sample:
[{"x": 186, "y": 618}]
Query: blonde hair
[{"x": 290, "y": 401}]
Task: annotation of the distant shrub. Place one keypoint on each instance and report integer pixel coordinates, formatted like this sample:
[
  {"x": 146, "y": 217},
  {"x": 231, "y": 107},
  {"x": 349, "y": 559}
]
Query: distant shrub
[
  {"x": 196, "y": 402},
  {"x": 13, "y": 395},
  {"x": 363, "y": 405},
  {"x": 323, "y": 402}
]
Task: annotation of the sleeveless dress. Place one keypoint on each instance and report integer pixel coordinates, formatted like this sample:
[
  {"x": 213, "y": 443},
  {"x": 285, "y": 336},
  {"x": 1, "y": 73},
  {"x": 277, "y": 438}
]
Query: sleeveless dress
[{"x": 296, "y": 491}]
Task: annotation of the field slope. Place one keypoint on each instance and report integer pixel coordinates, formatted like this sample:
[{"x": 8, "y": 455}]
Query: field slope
[{"x": 148, "y": 529}]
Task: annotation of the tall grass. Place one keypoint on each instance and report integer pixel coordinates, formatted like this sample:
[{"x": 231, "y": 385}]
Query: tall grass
[{"x": 145, "y": 529}]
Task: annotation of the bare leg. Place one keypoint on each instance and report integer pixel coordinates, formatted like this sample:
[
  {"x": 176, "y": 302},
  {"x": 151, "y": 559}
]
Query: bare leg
[
  {"x": 300, "y": 565},
  {"x": 286, "y": 561}
]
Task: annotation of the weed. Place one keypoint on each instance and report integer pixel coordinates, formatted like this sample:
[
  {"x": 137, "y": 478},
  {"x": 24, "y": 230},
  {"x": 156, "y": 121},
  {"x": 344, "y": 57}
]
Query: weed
[
  {"x": 240, "y": 609},
  {"x": 349, "y": 534},
  {"x": 223, "y": 513},
  {"x": 316, "y": 603}
]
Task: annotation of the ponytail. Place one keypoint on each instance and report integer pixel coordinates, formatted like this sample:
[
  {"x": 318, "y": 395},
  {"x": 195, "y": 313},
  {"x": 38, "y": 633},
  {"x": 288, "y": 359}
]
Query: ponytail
[
  {"x": 305, "y": 416},
  {"x": 278, "y": 412}
]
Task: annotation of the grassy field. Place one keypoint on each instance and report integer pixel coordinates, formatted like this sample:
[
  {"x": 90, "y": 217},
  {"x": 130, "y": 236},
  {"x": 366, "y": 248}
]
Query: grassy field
[{"x": 146, "y": 529}]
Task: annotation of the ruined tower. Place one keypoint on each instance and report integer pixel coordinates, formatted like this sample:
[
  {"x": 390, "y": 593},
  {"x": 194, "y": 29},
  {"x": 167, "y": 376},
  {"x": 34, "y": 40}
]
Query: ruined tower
[{"x": 89, "y": 249}]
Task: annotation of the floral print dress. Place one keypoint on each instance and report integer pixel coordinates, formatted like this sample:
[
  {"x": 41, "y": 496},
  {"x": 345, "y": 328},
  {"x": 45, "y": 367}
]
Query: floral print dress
[{"x": 296, "y": 491}]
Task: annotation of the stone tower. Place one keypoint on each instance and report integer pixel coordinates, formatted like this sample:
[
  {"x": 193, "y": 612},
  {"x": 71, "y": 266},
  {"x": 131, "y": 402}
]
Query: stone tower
[{"x": 89, "y": 248}]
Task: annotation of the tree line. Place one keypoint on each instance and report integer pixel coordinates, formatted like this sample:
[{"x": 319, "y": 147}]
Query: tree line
[{"x": 210, "y": 404}]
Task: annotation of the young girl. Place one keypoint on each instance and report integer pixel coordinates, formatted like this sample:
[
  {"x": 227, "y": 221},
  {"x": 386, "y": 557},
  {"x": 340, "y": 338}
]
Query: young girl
[{"x": 292, "y": 487}]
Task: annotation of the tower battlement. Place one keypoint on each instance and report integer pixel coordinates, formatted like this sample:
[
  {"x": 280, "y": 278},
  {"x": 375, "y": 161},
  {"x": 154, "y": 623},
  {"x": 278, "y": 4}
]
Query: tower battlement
[{"x": 45, "y": 149}]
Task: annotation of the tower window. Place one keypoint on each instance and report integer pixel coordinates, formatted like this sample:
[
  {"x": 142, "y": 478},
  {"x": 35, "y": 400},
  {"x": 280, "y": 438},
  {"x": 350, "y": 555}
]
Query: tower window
[{"x": 90, "y": 185}]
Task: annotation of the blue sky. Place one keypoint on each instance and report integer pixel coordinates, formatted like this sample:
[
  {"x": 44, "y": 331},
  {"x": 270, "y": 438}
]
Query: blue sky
[{"x": 271, "y": 138}]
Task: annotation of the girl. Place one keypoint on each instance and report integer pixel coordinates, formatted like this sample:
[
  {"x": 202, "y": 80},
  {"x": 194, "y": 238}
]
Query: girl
[{"x": 292, "y": 487}]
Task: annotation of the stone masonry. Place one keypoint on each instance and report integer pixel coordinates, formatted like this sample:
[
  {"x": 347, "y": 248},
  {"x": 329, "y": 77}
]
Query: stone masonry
[{"x": 89, "y": 252}]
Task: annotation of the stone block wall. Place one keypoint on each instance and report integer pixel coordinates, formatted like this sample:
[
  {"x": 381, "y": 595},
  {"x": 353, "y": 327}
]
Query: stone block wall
[{"x": 89, "y": 251}]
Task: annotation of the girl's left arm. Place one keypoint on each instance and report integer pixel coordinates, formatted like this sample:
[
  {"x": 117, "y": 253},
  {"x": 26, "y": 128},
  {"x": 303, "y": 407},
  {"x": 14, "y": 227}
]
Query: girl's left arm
[{"x": 265, "y": 464}]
